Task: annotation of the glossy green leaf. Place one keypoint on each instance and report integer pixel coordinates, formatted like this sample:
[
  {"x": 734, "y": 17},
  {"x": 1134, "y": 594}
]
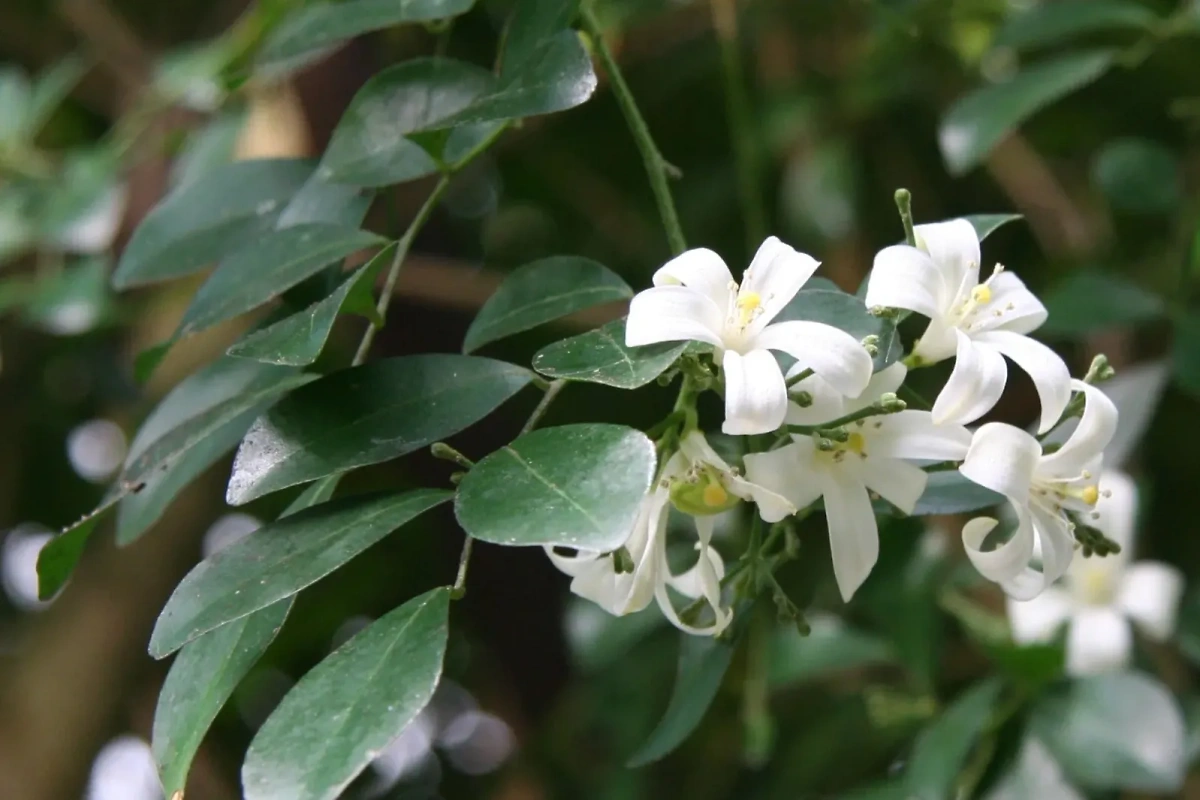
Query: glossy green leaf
[
  {"x": 1054, "y": 23},
  {"x": 314, "y": 30},
  {"x": 986, "y": 224},
  {"x": 543, "y": 291},
  {"x": 1139, "y": 176},
  {"x": 1119, "y": 730},
  {"x": 703, "y": 662},
  {"x": 298, "y": 339},
  {"x": 344, "y": 712},
  {"x": 203, "y": 221},
  {"x": 364, "y": 415},
  {"x": 1089, "y": 301},
  {"x": 600, "y": 356},
  {"x": 321, "y": 200},
  {"x": 209, "y": 146},
  {"x": 216, "y": 384},
  {"x": 574, "y": 486},
  {"x": 845, "y": 312},
  {"x": 831, "y": 647},
  {"x": 201, "y": 679},
  {"x": 1185, "y": 354},
  {"x": 981, "y": 119},
  {"x": 280, "y": 559},
  {"x": 531, "y": 24},
  {"x": 262, "y": 271},
  {"x": 58, "y": 558},
  {"x": 949, "y": 492},
  {"x": 943, "y": 747}
]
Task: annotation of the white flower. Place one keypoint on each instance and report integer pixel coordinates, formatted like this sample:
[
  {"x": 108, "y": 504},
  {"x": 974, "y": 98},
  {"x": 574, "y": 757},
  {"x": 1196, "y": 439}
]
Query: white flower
[
  {"x": 1041, "y": 488},
  {"x": 978, "y": 323},
  {"x": 95, "y": 228},
  {"x": 695, "y": 298},
  {"x": 1099, "y": 596},
  {"x": 869, "y": 460},
  {"x": 700, "y": 482}
]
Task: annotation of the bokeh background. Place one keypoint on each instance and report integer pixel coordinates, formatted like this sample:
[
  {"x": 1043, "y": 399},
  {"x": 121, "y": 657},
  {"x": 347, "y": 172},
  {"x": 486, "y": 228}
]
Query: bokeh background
[{"x": 842, "y": 102}]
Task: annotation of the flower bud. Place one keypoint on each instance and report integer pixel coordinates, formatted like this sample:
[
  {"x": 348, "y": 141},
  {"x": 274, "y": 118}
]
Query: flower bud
[
  {"x": 889, "y": 403},
  {"x": 802, "y": 398},
  {"x": 702, "y": 494}
]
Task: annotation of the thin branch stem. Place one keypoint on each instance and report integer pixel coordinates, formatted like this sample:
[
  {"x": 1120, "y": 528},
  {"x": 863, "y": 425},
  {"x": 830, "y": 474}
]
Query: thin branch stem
[
  {"x": 657, "y": 168},
  {"x": 799, "y": 376},
  {"x": 544, "y": 404},
  {"x": 464, "y": 561},
  {"x": 873, "y": 410}
]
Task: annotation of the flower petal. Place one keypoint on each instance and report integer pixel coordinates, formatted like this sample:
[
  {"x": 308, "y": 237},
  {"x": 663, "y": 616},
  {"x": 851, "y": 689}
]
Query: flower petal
[
  {"x": 697, "y": 450},
  {"x": 1089, "y": 439},
  {"x": 702, "y": 270},
  {"x": 1002, "y": 458},
  {"x": 772, "y": 506},
  {"x": 1019, "y": 309},
  {"x": 899, "y": 483},
  {"x": 1149, "y": 594},
  {"x": 853, "y": 534},
  {"x": 1049, "y": 372},
  {"x": 1008, "y": 563},
  {"x": 975, "y": 384},
  {"x": 905, "y": 277},
  {"x": 1056, "y": 542},
  {"x": 886, "y": 380},
  {"x": 954, "y": 248},
  {"x": 672, "y": 314},
  {"x": 913, "y": 434},
  {"x": 833, "y": 354},
  {"x": 755, "y": 394},
  {"x": 1038, "y": 619},
  {"x": 827, "y": 402},
  {"x": 788, "y": 472},
  {"x": 775, "y": 274},
  {"x": 1099, "y": 640},
  {"x": 702, "y": 580}
]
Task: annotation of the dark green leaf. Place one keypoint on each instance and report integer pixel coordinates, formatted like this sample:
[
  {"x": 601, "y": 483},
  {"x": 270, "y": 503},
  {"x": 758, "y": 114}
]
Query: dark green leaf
[
  {"x": 531, "y": 24},
  {"x": 364, "y": 415},
  {"x": 943, "y": 747},
  {"x": 208, "y": 147},
  {"x": 831, "y": 647},
  {"x": 845, "y": 312},
  {"x": 1115, "y": 731},
  {"x": 49, "y": 90},
  {"x": 1185, "y": 354},
  {"x": 986, "y": 224},
  {"x": 597, "y": 639},
  {"x": 949, "y": 492},
  {"x": 574, "y": 486},
  {"x": 203, "y": 221},
  {"x": 201, "y": 679},
  {"x": 703, "y": 662},
  {"x": 298, "y": 339},
  {"x": 1139, "y": 176},
  {"x": 353, "y": 704},
  {"x": 600, "y": 356},
  {"x": 978, "y": 121},
  {"x": 280, "y": 559},
  {"x": 263, "y": 270},
  {"x": 58, "y": 558},
  {"x": 320, "y": 200},
  {"x": 1088, "y": 301},
  {"x": 543, "y": 291},
  {"x": 314, "y": 30},
  {"x": 1053, "y": 23}
]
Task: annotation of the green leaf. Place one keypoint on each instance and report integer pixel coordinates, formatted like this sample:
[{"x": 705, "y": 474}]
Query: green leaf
[
  {"x": 201, "y": 679},
  {"x": 574, "y": 486},
  {"x": 320, "y": 200},
  {"x": 74, "y": 301},
  {"x": 943, "y": 747},
  {"x": 1139, "y": 176},
  {"x": 49, "y": 91},
  {"x": 1088, "y": 301},
  {"x": 845, "y": 312},
  {"x": 220, "y": 382},
  {"x": 280, "y": 559},
  {"x": 703, "y": 662},
  {"x": 313, "y": 31},
  {"x": 58, "y": 558},
  {"x": 208, "y": 147},
  {"x": 949, "y": 492},
  {"x": 986, "y": 224},
  {"x": 600, "y": 356},
  {"x": 1115, "y": 731},
  {"x": 831, "y": 647},
  {"x": 364, "y": 415},
  {"x": 203, "y": 221},
  {"x": 265, "y": 269},
  {"x": 1055, "y": 23},
  {"x": 981, "y": 119},
  {"x": 531, "y": 24},
  {"x": 14, "y": 99},
  {"x": 543, "y": 291},
  {"x": 1185, "y": 354},
  {"x": 298, "y": 339},
  {"x": 340, "y": 715}
]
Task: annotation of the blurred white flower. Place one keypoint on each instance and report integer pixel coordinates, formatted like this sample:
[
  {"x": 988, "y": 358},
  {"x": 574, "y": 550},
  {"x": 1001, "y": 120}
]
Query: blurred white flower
[
  {"x": 94, "y": 230},
  {"x": 124, "y": 769},
  {"x": 19, "y": 565},
  {"x": 227, "y": 529},
  {"x": 96, "y": 449}
]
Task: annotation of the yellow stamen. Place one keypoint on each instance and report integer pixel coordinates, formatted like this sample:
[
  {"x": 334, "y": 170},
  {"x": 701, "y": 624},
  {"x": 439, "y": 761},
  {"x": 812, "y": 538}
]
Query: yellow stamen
[
  {"x": 856, "y": 443},
  {"x": 715, "y": 495},
  {"x": 748, "y": 304},
  {"x": 981, "y": 294},
  {"x": 1090, "y": 495}
]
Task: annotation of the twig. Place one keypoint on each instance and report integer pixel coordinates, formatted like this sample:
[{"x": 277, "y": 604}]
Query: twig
[{"x": 544, "y": 404}]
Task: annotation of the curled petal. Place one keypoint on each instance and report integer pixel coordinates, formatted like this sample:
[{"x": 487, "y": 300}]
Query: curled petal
[
  {"x": 755, "y": 393},
  {"x": 899, "y": 483},
  {"x": 775, "y": 274},
  {"x": 905, "y": 277},
  {"x": 975, "y": 385},
  {"x": 1038, "y": 619},
  {"x": 1089, "y": 439},
  {"x": 833, "y": 354},
  {"x": 702, "y": 270},
  {"x": 853, "y": 533},
  {"x": 1049, "y": 372},
  {"x": 1056, "y": 542},
  {"x": 1012, "y": 307},
  {"x": 1149, "y": 594},
  {"x": 672, "y": 314},
  {"x": 954, "y": 248},
  {"x": 702, "y": 580},
  {"x": 1099, "y": 640},
  {"x": 788, "y": 472},
  {"x": 1002, "y": 458},
  {"x": 913, "y": 434},
  {"x": 1008, "y": 563}
]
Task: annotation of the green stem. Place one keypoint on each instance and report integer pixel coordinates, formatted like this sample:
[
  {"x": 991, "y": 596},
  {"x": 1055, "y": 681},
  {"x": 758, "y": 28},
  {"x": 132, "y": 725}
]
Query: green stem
[
  {"x": 756, "y": 712},
  {"x": 873, "y": 410},
  {"x": 904, "y": 206},
  {"x": 737, "y": 102},
  {"x": 799, "y": 376},
  {"x": 464, "y": 561},
  {"x": 544, "y": 404},
  {"x": 657, "y": 169}
]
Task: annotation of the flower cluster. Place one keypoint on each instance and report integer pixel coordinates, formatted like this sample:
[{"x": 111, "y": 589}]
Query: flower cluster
[{"x": 843, "y": 438}]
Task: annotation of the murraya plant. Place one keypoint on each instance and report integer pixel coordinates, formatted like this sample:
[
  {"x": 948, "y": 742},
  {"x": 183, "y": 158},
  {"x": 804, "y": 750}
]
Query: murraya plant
[{"x": 819, "y": 418}]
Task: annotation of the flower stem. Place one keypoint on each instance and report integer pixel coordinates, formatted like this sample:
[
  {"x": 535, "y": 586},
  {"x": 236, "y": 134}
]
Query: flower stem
[
  {"x": 756, "y": 712},
  {"x": 904, "y": 206},
  {"x": 544, "y": 404},
  {"x": 799, "y": 376},
  {"x": 657, "y": 168},
  {"x": 464, "y": 560},
  {"x": 873, "y": 410},
  {"x": 724, "y": 14}
]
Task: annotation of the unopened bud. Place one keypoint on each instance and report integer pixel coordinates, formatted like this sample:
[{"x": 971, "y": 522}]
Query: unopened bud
[
  {"x": 871, "y": 344},
  {"x": 835, "y": 434},
  {"x": 1100, "y": 370},
  {"x": 825, "y": 446},
  {"x": 802, "y": 398},
  {"x": 447, "y": 453},
  {"x": 622, "y": 561},
  {"x": 889, "y": 403},
  {"x": 457, "y": 477}
]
